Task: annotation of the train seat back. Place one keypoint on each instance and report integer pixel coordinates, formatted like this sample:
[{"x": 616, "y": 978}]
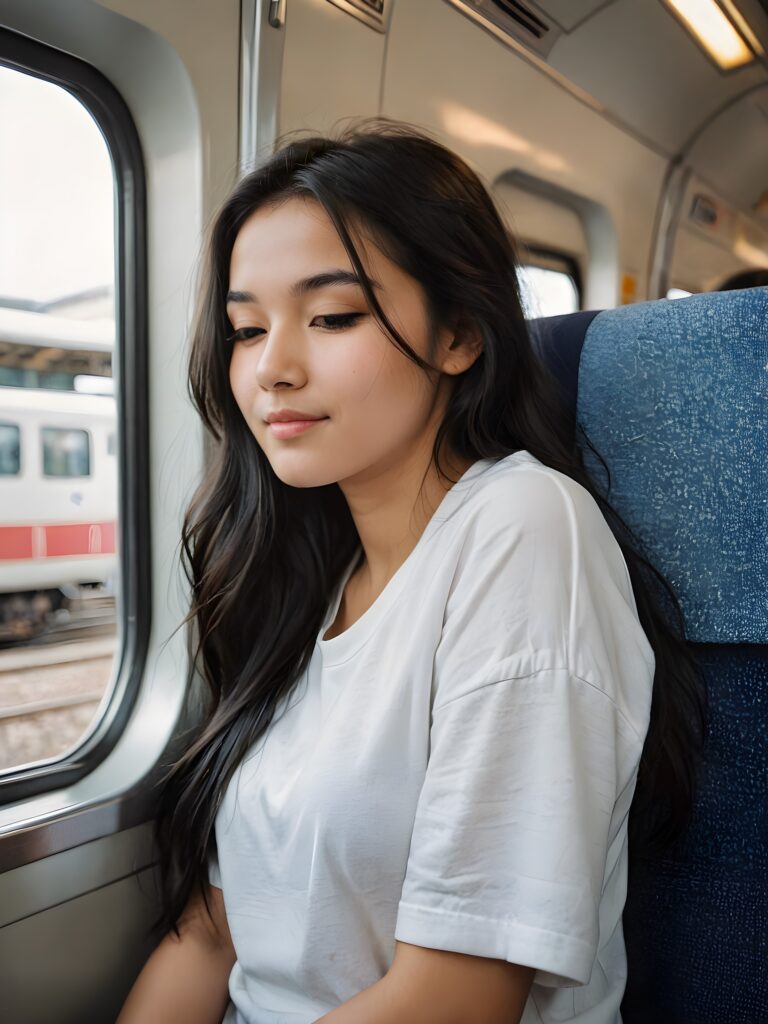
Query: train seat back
[{"x": 674, "y": 397}]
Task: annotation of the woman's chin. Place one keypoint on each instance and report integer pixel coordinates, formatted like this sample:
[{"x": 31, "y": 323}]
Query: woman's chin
[{"x": 295, "y": 474}]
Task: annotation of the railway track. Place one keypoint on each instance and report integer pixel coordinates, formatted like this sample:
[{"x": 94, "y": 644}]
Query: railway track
[
  {"x": 86, "y": 626},
  {"x": 51, "y": 688},
  {"x": 86, "y": 618}
]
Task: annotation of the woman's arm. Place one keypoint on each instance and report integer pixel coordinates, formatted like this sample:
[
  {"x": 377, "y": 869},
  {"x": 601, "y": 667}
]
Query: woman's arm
[
  {"x": 185, "y": 979},
  {"x": 433, "y": 986}
]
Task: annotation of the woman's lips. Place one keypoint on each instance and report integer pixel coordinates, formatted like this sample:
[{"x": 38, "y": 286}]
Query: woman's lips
[{"x": 293, "y": 427}]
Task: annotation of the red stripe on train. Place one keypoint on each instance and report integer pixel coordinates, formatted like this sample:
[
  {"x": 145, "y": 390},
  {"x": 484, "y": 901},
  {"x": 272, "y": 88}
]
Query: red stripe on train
[{"x": 56, "y": 540}]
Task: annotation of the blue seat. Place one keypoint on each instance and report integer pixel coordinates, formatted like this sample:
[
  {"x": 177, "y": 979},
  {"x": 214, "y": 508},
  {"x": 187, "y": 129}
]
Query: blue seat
[{"x": 674, "y": 396}]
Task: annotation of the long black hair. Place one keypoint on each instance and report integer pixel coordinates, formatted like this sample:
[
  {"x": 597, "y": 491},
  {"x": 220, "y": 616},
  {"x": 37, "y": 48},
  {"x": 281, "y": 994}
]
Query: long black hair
[{"x": 263, "y": 559}]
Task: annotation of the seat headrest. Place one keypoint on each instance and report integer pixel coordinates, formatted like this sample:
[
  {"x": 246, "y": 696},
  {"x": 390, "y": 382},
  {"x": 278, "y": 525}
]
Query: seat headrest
[{"x": 674, "y": 396}]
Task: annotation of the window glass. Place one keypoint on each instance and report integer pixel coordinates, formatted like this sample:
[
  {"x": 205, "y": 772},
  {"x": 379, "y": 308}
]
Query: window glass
[
  {"x": 678, "y": 293},
  {"x": 58, "y": 519},
  {"x": 10, "y": 449},
  {"x": 547, "y": 292},
  {"x": 65, "y": 452}
]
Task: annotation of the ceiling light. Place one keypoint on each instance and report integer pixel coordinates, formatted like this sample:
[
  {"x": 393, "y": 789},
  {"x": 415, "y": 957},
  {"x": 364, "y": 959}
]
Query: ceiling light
[
  {"x": 707, "y": 21},
  {"x": 743, "y": 26}
]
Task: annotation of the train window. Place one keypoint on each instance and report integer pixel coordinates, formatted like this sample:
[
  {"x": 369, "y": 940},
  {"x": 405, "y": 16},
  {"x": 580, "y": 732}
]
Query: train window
[
  {"x": 547, "y": 292},
  {"x": 550, "y": 282},
  {"x": 65, "y": 452},
  {"x": 64, "y": 257},
  {"x": 10, "y": 449}
]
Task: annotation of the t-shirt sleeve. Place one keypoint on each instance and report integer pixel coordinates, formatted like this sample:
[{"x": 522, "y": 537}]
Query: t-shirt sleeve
[
  {"x": 511, "y": 833},
  {"x": 531, "y": 754}
]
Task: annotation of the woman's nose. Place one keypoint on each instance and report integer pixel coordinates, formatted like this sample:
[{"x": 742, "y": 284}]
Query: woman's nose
[{"x": 281, "y": 356}]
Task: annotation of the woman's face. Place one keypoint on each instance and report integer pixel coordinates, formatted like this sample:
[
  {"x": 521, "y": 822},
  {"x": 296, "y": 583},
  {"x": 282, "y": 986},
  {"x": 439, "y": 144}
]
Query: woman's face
[{"x": 305, "y": 340}]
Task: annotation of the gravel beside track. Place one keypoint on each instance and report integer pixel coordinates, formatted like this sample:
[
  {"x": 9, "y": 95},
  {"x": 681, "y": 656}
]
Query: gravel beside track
[{"x": 48, "y": 698}]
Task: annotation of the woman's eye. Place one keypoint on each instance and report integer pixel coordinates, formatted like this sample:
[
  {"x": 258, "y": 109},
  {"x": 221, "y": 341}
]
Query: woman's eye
[
  {"x": 327, "y": 321},
  {"x": 336, "y": 321},
  {"x": 246, "y": 334}
]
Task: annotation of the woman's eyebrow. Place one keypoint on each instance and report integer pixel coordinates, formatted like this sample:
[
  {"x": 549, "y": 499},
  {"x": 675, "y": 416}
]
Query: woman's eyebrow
[{"x": 307, "y": 284}]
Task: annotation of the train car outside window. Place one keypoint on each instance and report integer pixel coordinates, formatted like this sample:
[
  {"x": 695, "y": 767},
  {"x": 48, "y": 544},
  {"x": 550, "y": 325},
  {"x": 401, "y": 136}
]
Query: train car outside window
[
  {"x": 65, "y": 452},
  {"x": 62, "y": 207},
  {"x": 10, "y": 449},
  {"x": 549, "y": 283}
]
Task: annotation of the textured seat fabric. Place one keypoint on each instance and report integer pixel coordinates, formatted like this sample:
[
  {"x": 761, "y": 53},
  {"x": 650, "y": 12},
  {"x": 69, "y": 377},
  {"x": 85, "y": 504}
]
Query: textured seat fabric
[
  {"x": 674, "y": 396},
  {"x": 695, "y": 929}
]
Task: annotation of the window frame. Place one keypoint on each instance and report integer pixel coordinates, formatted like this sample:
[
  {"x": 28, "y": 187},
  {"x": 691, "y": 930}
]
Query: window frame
[{"x": 130, "y": 364}]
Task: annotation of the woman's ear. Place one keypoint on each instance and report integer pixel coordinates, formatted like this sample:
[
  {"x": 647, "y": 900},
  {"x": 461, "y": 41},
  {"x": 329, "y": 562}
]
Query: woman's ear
[{"x": 464, "y": 344}]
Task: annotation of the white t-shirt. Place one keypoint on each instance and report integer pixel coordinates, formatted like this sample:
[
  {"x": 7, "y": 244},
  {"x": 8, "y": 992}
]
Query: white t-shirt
[{"x": 454, "y": 770}]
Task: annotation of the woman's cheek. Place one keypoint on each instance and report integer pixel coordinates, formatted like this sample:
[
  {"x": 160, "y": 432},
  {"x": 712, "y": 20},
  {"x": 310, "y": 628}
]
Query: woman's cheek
[{"x": 242, "y": 377}]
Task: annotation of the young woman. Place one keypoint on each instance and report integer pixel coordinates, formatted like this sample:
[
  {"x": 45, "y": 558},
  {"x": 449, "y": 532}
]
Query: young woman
[{"x": 431, "y": 660}]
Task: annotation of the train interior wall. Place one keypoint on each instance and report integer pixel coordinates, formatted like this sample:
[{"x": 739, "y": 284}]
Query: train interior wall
[{"x": 583, "y": 151}]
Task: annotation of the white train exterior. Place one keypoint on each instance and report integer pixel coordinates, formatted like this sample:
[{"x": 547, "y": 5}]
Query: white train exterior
[
  {"x": 58, "y": 512},
  {"x": 58, "y": 484}
]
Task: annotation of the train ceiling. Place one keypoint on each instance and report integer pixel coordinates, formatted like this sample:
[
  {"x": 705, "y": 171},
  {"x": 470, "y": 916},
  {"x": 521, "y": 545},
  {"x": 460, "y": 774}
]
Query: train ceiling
[{"x": 637, "y": 60}]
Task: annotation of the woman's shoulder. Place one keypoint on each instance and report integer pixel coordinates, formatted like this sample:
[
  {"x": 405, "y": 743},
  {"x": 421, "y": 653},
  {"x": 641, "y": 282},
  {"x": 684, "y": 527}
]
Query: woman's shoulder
[
  {"x": 520, "y": 493},
  {"x": 518, "y": 508}
]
